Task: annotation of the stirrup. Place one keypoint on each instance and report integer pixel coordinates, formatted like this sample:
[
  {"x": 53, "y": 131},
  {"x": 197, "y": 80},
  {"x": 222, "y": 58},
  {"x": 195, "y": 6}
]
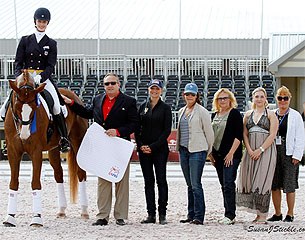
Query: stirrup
[
  {"x": 4, "y": 150},
  {"x": 64, "y": 145}
]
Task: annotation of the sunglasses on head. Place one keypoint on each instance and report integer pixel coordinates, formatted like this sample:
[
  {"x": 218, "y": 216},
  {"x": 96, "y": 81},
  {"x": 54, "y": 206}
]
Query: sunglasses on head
[
  {"x": 108, "y": 83},
  {"x": 280, "y": 98},
  {"x": 188, "y": 94}
]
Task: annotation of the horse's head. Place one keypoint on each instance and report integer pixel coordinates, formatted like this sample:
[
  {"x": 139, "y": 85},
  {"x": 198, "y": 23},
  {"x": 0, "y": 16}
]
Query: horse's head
[{"x": 24, "y": 101}]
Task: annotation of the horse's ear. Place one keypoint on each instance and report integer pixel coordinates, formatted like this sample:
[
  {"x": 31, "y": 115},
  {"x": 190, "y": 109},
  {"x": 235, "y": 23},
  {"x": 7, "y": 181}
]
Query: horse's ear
[
  {"x": 13, "y": 85},
  {"x": 40, "y": 88}
]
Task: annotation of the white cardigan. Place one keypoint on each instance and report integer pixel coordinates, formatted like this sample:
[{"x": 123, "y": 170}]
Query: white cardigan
[
  {"x": 201, "y": 134},
  {"x": 295, "y": 138}
]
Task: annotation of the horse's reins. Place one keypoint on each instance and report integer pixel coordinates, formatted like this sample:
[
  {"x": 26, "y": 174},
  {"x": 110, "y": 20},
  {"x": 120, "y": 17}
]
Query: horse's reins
[{"x": 16, "y": 118}]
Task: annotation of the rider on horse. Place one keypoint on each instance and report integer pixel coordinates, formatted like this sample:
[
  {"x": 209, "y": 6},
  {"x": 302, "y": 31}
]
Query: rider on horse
[{"x": 38, "y": 53}]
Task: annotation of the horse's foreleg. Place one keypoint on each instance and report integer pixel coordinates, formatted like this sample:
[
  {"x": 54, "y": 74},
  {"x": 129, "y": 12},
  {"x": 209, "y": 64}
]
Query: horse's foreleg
[
  {"x": 55, "y": 161},
  {"x": 14, "y": 161},
  {"x": 10, "y": 220},
  {"x": 36, "y": 189}
]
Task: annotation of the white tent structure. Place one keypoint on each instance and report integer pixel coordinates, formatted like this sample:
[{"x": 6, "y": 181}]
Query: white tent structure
[{"x": 155, "y": 19}]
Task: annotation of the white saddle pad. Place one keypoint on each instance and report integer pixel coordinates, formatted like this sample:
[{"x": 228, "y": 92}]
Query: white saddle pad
[
  {"x": 45, "y": 106},
  {"x": 104, "y": 156}
]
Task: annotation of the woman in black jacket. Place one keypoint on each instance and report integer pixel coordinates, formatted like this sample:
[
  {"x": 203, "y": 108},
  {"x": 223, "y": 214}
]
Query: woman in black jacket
[
  {"x": 227, "y": 148},
  {"x": 151, "y": 137}
]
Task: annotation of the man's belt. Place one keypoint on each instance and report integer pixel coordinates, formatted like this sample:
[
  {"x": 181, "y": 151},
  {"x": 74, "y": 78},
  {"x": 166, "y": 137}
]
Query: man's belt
[{"x": 37, "y": 71}]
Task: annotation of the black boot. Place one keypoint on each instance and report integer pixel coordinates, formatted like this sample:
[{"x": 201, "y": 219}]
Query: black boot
[
  {"x": 149, "y": 219},
  {"x": 60, "y": 123}
]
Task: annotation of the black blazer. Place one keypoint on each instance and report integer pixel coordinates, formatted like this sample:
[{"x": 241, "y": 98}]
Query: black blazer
[
  {"x": 122, "y": 116},
  {"x": 155, "y": 126},
  {"x": 39, "y": 56},
  {"x": 234, "y": 129}
]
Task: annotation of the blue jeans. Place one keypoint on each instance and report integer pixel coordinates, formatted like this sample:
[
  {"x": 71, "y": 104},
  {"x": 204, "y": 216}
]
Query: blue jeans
[
  {"x": 192, "y": 167},
  {"x": 227, "y": 177}
]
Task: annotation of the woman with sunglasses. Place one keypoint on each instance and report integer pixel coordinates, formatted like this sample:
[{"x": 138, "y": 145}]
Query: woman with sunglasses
[
  {"x": 290, "y": 140},
  {"x": 259, "y": 160},
  {"x": 195, "y": 138},
  {"x": 227, "y": 148}
]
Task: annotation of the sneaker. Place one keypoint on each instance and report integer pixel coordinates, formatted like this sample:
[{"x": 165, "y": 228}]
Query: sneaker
[
  {"x": 226, "y": 221},
  {"x": 288, "y": 218},
  {"x": 275, "y": 218}
]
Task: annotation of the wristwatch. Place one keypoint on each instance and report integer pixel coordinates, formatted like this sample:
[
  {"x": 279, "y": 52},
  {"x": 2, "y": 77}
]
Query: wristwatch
[{"x": 262, "y": 149}]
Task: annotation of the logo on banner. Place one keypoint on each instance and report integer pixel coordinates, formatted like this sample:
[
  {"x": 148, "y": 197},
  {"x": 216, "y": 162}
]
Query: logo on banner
[{"x": 114, "y": 171}]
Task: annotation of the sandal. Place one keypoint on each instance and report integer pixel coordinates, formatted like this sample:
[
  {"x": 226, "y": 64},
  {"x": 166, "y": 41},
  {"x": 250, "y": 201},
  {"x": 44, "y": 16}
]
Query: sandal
[{"x": 260, "y": 221}]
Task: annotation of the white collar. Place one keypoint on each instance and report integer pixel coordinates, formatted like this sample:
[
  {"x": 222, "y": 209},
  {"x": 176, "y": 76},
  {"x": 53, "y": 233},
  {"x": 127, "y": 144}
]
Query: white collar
[{"x": 39, "y": 35}]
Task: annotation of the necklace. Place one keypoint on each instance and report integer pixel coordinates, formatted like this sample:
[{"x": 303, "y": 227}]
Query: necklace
[{"x": 188, "y": 112}]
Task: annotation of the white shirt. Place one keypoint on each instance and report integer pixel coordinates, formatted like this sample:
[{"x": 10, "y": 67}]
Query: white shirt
[{"x": 39, "y": 35}]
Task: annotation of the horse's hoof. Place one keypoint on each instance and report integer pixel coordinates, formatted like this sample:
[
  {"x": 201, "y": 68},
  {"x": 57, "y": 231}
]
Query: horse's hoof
[
  {"x": 36, "y": 221},
  {"x": 36, "y": 225},
  {"x": 61, "y": 215},
  {"x": 10, "y": 221},
  {"x": 84, "y": 216}
]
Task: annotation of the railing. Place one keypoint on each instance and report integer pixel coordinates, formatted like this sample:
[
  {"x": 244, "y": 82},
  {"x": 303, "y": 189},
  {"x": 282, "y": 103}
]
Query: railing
[
  {"x": 84, "y": 65},
  {"x": 151, "y": 65}
]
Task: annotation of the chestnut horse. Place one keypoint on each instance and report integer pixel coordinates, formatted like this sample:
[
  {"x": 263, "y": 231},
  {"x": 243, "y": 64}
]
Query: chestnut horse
[{"x": 26, "y": 126}]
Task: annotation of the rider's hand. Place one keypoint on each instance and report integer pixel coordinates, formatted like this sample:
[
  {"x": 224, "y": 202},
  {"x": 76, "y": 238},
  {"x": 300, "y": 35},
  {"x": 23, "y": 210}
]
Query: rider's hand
[{"x": 37, "y": 79}]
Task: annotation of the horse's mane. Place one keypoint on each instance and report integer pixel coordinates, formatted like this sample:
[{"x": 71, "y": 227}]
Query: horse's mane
[{"x": 25, "y": 78}]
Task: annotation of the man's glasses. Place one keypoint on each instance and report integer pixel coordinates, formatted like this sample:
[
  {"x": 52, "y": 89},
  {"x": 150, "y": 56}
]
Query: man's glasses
[
  {"x": 280, "y": 98},
  {"x": 108, "y": 83},
  {"x": 188, "y": 94},
  {"x": 222, "y": 98}
]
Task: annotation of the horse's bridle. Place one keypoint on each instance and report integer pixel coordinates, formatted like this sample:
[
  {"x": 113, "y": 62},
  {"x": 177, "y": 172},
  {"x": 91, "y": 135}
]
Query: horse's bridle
[{"x": 16, "y": 118}]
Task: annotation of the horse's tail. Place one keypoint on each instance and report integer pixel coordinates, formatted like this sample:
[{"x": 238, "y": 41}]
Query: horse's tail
[{"x": 73, "y": 168}]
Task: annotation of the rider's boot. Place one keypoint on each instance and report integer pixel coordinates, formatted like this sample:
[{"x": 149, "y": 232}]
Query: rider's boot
[{"x": 60, "y": 123}]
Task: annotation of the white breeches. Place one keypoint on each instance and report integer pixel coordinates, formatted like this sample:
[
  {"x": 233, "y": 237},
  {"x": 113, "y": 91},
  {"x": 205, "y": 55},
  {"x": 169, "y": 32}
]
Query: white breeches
[{"x": 51, "y": 89}]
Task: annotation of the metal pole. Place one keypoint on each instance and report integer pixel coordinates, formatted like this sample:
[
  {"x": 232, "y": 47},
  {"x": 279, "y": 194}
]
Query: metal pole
[
  {"x": 179, "y": 42},
  {"x": 261, "y": 41},
  {"x": 16, "y": 27},
  {"x": 98, "y": 39}
]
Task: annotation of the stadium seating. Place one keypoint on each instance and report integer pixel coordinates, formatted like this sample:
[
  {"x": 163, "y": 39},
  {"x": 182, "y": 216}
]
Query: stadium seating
[
  {"x": 172, "y": 83},
  {"x": 199, "y": 80},
  {"x": 160, "y": 77},
  {"x": 63, "y": 83},
  {"x": 64, "y": 76},
  {"x": 137, "y": 87},
  {"x": 91, "y": 83},
  {"x": 77, "y": 76},
  {"x": 91, "y": 76},
  {"x": 145, "y": 77},
  {"x": 253, "y": 82}
]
